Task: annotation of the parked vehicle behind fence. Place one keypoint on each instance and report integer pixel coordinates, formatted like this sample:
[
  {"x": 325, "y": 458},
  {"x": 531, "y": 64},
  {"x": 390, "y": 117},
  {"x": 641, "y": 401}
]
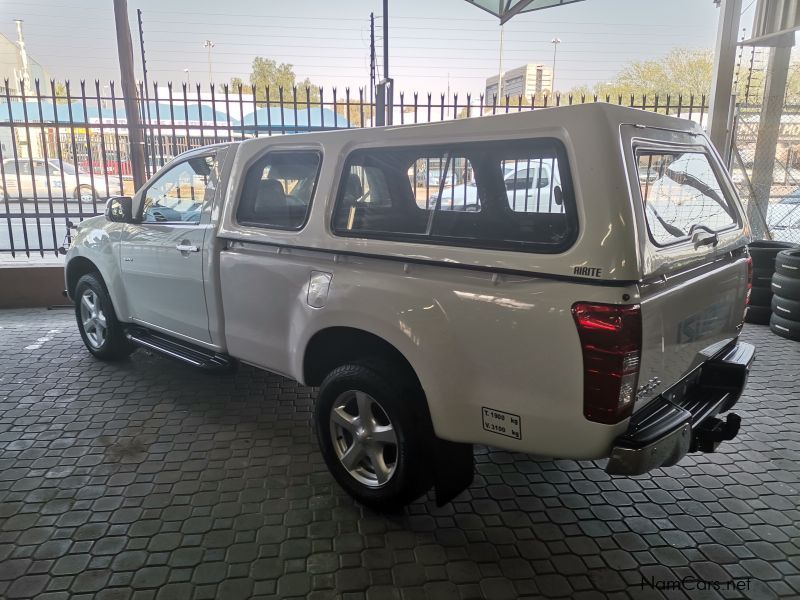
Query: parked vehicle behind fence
[
  {"x": 35, "y": 178},
  {"x": 601, "y": 321}
]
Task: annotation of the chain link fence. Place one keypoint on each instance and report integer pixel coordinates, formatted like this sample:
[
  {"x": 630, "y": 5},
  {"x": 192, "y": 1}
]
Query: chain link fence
[{"x": 765, "y": 149}]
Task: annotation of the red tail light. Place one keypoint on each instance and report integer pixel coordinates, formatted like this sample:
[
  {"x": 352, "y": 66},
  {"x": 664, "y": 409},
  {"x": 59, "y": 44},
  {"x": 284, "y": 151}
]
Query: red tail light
[{"x": 611, "y": 338}]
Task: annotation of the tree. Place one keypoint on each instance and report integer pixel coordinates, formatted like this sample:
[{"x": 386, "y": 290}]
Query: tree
[
  {"x": 61, "y": 93},
  {"x": 266, "y": 72},
  {"x": 682, "y": 71},
  {"x": 357, "y": 114},
  {"x": 237, "y": 83}
]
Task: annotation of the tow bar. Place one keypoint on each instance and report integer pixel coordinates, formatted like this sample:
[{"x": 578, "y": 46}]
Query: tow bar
[{"x": 711, "y": 432}]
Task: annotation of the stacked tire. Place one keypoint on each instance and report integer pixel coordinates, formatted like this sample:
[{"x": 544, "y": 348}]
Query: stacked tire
[
  {"x": 785, "y": 304},
  {"x": 763, "y": 253}
]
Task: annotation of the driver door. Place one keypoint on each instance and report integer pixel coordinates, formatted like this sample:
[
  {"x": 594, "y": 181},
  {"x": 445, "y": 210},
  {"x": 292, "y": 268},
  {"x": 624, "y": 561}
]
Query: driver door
[{"x": 164, "y": 257}]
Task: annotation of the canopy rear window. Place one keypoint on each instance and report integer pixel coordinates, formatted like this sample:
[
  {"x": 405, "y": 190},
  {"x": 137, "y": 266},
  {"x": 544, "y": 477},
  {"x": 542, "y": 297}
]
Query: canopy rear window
[{"x": 681, "y": 192}]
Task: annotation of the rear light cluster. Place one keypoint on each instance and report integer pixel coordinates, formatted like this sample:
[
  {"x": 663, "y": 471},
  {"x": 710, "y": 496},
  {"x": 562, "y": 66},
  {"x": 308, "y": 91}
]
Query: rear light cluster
[
  {"x": 749, "y": 279},
  {"x": 611, "y": 339}
]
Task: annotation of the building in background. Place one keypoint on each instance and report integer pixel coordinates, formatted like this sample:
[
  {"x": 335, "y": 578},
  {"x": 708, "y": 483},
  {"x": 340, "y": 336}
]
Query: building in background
[{"x": 525, "y": 80}]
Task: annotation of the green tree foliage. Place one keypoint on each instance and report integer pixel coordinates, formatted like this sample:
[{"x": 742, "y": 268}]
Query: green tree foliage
[
  {"x": 267, "y": 72},
  {"x": 61, "y": 93},
  {"x": 237, "y": 83},
  {"x": 682, "y": 71}
]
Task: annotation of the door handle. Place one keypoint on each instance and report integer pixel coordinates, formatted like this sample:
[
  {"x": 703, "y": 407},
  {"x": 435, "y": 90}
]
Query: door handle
[
  {"x": 187, "y": 248},
  {"x": 703, "y": 238}
]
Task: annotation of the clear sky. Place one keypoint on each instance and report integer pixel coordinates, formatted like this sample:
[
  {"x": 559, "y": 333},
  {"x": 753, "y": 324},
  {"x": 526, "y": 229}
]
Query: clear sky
[{"x": 432, "y": 42}]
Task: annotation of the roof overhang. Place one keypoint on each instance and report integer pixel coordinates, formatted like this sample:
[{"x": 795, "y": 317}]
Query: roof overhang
[
  {"x": 774, "y": 23},
  {"x": 507, "y": 9}
]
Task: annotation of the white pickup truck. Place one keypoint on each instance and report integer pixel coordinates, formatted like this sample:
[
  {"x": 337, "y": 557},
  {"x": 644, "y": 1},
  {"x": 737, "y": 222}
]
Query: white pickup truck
[{"x": 598, "y": 317}]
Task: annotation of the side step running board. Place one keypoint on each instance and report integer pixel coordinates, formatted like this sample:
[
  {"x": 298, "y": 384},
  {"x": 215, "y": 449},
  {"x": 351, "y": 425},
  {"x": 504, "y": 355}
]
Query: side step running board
[{"x": 180, "y": 350}]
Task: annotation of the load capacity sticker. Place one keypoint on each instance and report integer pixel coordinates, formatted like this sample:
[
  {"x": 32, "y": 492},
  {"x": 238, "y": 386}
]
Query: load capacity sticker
[{"x": 501, "y": 422}]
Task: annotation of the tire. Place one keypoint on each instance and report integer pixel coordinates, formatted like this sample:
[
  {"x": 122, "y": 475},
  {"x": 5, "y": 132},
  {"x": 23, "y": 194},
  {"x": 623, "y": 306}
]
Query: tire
[
  {"x": 758, "y": 315},
  {"x": 788, "y": 309},
  {"x": 393, "y": 471},
  {"x": 84, "y": 189},
  {"x": 785, "y": 328},
  {"x": 93, "y": 308},
  {"x": 760, "y": 296},
  {"x": 787, "y": 262},
  {"x": 764, "y": 251},
  {"x": 762, "y": 277},
  {"x": 786, "y": 287}
]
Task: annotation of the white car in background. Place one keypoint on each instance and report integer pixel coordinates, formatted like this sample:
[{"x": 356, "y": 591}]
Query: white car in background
[
  {"x": 530, "y": 187},
  {"x": 26, "y": 179}
]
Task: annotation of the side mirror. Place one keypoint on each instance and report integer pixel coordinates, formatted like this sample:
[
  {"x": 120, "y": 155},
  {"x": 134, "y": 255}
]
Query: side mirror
[
  {"x": 119, "y": 209},
  {"x": 544, "y": 181}
]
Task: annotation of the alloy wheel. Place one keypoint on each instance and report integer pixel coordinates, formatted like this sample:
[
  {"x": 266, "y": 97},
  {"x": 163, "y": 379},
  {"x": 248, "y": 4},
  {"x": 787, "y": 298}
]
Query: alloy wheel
[
  {"x": 364, "y": 438},
  {"x": 93, "y": 319}
]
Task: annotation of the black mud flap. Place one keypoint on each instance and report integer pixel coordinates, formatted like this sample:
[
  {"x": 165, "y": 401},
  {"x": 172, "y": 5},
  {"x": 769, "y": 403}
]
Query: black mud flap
[{"x": 454, "y": 469}]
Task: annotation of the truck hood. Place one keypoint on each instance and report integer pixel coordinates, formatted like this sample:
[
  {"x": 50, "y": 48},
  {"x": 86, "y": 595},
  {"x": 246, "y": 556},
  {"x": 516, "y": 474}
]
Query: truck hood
[{"x": 92, "y": 222}]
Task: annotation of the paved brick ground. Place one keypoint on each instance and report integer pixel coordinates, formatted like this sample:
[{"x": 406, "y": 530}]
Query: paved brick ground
[{"x": 147, "y": 479}]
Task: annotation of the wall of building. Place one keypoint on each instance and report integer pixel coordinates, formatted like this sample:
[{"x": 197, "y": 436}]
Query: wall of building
[{"x": 527, "y": 80}]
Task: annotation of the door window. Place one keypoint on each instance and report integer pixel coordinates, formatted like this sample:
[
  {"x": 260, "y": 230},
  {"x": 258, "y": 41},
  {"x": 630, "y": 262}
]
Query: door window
[{"x": 179, "y": 192}]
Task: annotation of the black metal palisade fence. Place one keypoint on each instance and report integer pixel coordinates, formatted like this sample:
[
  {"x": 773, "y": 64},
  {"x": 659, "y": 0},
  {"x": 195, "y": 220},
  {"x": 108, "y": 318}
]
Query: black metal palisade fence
[{"x": 64, "y": 150}]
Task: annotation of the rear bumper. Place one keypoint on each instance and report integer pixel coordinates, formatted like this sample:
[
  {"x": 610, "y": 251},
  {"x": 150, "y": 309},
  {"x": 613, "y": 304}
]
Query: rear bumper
[{"x": 683, "y": 419}]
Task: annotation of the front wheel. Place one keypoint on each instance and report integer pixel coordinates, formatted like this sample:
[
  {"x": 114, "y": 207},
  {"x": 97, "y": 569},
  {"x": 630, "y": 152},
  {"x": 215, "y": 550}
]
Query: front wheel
[
  {"x": 101, "y": 331},
  {"x": 84, "y": 193},
  {"x": 370, "y": 436}
]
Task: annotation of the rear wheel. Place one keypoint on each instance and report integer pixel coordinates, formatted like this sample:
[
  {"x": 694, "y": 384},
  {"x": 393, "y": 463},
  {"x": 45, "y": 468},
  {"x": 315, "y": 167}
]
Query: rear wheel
[
  {"x": 102, "y": 333},
  {"x": 371, "y": 437}
]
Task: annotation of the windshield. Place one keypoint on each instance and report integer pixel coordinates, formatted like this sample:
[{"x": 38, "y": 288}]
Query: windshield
[
  {"x": 681, "y": 192},
  {"x": 65, "y": 167}
]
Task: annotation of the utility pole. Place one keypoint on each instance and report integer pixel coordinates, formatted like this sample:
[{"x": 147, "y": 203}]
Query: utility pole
[
  {"x": 500, "y": 75},
  {"x": 24, "y": 73},
  {"x": 555, "y": 41},
  {"x": 387, "y": 81},
  {"x": 209, "y": 44},
  {"x": 146, "y": 107},
  {"x": 371, "y": 59},
  {"x": 128, "y": 81}
]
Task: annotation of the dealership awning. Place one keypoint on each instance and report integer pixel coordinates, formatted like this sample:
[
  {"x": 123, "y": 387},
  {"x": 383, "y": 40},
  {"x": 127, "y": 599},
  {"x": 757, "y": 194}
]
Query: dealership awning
[{"x": 507, "y": 9}]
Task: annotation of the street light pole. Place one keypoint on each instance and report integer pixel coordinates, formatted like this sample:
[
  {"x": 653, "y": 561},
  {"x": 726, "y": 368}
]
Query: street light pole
[
  {"x": 209, "y": 44},
  {"x": 500, "y": 76},
  {"x": 555, "y": 41}
]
